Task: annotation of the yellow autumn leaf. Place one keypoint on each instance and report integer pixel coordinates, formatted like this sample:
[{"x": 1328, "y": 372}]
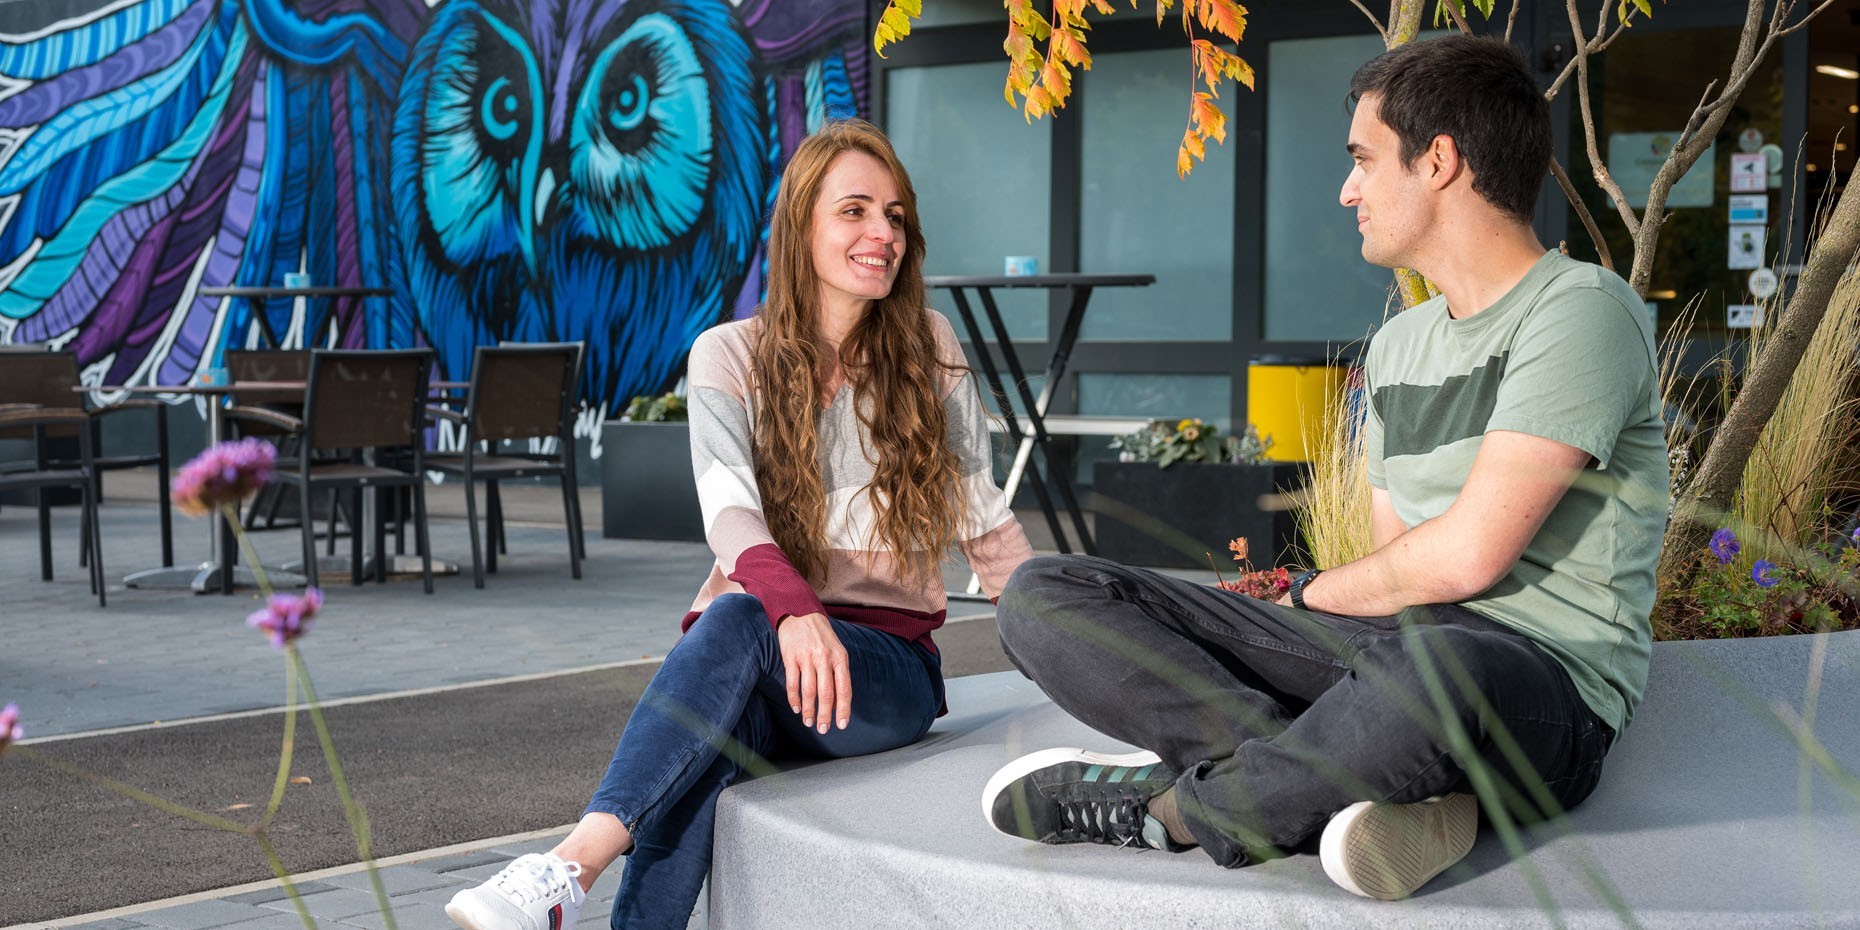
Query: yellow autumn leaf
[{"x": 300, "y": 780}]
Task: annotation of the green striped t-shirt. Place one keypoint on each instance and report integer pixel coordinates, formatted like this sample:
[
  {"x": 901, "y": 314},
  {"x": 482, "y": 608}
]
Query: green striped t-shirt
[{"x": 1568, "y": 355}]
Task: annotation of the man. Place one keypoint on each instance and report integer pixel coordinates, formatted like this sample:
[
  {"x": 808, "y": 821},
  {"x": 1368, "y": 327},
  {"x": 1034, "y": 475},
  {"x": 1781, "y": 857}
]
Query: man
[{"x": 1496, "y": 638}]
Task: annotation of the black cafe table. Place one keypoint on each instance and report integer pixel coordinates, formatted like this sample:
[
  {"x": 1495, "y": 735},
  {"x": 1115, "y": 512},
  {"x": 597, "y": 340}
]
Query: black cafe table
[
  {"x": 1079, "y": 288},
  {"x": 256, "y": 295}
]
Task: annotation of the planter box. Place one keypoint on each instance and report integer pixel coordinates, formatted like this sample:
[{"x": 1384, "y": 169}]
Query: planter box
[
  {"x": 647, "y": 491},
  {"x": 1174, "y": 517}
]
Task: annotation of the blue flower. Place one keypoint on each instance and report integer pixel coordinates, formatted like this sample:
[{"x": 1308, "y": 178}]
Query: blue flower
[
  {"x": 1724, "y": 545},
  {"x": 1763, "y": 573}
]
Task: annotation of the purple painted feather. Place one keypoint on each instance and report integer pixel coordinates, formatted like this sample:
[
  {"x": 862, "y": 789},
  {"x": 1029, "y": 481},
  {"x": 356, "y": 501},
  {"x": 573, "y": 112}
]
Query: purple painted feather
[
  {"x": 114, "y": 315},
  {"x": 858, "y": 73},
  {"x": 351, "y": 329},
  {"x": 158, "y": 50},
  {"x": 101, "y": 266},
  {"x": 235, "y": 214},
  {"x": 783, "y": 30}
]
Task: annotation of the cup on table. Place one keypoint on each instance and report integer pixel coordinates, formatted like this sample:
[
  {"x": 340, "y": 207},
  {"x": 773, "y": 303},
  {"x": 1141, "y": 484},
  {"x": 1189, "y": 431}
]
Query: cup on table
[
  {"x": 296, "y": 279},
  {"x": 1018, "y": 266}
]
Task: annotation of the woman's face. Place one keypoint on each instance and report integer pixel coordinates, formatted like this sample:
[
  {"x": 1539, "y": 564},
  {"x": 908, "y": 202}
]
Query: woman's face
[{"x": 858, "y": 231}]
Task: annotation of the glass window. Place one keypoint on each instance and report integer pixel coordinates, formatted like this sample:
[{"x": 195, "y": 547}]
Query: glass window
[
  {"x": 1137, "y": 216},
  {"x": 1641, "y": 105},
  {"x": 1155, "y": 396},
  {"x": 981, "y": 175},
  {"x": 1318, "y": 288}
]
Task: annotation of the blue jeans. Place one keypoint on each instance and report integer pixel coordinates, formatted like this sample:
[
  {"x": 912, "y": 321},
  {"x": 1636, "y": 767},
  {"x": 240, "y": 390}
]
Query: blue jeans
[
  {"x": 719, "y": 707},
  {"x": 1277, "y": 718}
]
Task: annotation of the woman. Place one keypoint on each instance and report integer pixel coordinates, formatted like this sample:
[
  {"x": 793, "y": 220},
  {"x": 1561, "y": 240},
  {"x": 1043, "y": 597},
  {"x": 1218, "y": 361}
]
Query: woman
[{"x": 840, "y": 449}]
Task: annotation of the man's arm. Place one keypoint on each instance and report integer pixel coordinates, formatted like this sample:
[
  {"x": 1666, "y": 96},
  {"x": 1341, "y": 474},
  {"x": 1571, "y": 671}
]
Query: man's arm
[
  {"x": 1515, "y": 481},
  {"x": 1384, "y": 524}
]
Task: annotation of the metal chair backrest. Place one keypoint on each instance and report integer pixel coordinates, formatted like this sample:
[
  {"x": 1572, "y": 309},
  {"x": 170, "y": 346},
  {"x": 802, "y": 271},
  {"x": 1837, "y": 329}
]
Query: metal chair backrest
[
  {"x": 365, "y": 398},
  {"x": 32, "y": 375},
  {"x": 524, "y": 391},
  {"x": 269, "y": 365}
]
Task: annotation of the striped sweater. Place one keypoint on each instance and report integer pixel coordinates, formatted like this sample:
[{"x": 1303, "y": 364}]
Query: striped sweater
[{"x": 863, "y": 583}]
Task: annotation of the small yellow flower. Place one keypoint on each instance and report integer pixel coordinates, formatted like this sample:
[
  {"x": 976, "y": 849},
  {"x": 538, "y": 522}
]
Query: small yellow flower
[{"x": 1186, "y": 425}]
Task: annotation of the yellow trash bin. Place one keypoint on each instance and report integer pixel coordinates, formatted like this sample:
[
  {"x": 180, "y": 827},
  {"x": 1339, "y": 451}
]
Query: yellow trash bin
[{"x": 1286, "y": 398}]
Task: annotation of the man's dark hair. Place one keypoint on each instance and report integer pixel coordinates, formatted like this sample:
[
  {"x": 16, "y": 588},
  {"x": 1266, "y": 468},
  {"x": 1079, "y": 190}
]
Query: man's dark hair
[{"x": 1480, "y": 92}]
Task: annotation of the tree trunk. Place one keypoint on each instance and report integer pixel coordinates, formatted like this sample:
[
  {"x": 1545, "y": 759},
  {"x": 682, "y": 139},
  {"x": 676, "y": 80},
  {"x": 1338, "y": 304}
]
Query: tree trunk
[{"x": 1711, "y": 494}]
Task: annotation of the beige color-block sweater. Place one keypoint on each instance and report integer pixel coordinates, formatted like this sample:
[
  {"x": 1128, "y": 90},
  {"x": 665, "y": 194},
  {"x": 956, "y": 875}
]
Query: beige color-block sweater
[{"x": 863, "y": 583}]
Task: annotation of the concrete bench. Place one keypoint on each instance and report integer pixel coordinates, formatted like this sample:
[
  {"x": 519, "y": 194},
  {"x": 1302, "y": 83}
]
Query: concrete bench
[{"x": 1708, "y": 816}]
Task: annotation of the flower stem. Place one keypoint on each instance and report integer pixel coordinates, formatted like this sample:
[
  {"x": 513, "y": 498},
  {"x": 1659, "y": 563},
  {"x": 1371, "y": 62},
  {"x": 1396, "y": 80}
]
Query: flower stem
[
  {"x": 358, "y": 818},
  {"x": 231, "y": 514},
  {"x": 134, "y": 793},
  {"x": 286, "y": 750},
  {"x": 284, "y": 878}
]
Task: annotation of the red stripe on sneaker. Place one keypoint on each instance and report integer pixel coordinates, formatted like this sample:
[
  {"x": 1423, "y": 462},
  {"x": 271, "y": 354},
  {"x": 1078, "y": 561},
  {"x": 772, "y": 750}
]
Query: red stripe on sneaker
[{"x": 555, "y": 917}]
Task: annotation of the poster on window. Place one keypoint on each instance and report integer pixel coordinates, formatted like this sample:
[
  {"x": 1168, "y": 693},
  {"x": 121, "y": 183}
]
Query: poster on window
[
  {"x": 1746, "y": 248},
  {"x": 1748, "y": 172},
  {"x": 1635, "y": 157}
]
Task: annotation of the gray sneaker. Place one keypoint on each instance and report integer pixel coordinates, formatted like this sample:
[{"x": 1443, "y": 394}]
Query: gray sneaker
[
  {"x": 1388, "y": 851},
  {"x": 1074, "y": 796},
  {"x": 536, "y": 892}
]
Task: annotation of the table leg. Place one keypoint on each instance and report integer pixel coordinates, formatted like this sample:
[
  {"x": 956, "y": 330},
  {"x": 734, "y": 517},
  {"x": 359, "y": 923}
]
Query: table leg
[{"x": 993, "y": 376}]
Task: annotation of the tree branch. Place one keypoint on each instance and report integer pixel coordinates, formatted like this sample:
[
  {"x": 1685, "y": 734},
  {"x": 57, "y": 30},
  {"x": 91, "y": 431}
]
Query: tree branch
[
  {"x": 1582, "y": 213},
  {"x": 1381, "y": 31},
  {"x": 1459, "y": 19},
  {"x": 1512, "y": 18},
  {"x": 1599, "y": 168}
]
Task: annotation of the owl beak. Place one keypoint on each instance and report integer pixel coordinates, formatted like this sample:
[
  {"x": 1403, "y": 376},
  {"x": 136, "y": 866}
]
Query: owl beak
[{"x": 539, "y": 215}]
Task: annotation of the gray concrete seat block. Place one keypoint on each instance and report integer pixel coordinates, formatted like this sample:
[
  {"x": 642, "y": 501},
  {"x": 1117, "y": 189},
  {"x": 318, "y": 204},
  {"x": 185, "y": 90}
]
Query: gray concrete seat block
[{"x": 1708, "y": 815}]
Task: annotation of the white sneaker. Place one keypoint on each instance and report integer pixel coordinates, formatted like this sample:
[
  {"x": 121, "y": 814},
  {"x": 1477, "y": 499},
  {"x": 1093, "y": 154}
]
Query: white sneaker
[
  {"x": 1388, "y": 851},
  {"x": 536, "y": 892}
]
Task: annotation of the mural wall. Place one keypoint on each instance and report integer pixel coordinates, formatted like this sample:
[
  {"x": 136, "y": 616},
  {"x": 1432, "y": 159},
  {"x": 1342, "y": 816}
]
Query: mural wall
[{"x": 512, "y": 169}]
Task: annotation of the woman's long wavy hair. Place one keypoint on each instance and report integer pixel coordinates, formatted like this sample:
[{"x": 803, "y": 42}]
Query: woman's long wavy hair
[{"x": 890, "y": 359}]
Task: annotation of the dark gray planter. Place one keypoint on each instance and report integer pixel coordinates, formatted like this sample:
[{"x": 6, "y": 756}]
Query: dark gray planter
[
  {"x": 647, "y": 491},
  {"x": 1174, "y": 517}
]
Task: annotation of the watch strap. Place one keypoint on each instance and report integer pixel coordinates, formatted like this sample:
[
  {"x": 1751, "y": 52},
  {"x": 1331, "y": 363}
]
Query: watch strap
[{"x": 1298, "y": 586}]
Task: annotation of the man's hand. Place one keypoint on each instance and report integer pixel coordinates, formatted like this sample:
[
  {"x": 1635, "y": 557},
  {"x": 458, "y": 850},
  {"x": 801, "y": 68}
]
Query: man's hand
[{"x": 819, "y": 680}]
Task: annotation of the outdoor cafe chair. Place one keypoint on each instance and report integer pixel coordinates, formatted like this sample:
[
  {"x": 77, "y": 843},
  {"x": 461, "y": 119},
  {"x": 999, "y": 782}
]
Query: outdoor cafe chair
[
  {"x": 363, "y": 405},
  {"x": 31, "y": 374},
  {"x": 518, "y": 393},
  {"x": 43, "y": 474},
  {"x": 250, "y": 365}
]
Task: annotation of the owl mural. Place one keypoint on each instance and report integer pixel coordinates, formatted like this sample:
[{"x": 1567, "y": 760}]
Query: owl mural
[{"x": 512, "y": 169}]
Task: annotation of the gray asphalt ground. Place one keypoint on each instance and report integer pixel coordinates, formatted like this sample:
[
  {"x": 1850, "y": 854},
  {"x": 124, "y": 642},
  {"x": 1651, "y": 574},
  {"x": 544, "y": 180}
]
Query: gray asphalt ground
[{"x": 471, "y": 724}]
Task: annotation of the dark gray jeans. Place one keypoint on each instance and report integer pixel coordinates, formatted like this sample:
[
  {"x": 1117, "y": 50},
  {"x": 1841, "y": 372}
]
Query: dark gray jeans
[{"x": 1278, "y": 718}]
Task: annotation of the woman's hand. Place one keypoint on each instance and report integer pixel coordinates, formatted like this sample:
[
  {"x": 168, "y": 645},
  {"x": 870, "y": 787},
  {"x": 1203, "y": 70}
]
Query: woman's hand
[{"x": 819, "y": 681}]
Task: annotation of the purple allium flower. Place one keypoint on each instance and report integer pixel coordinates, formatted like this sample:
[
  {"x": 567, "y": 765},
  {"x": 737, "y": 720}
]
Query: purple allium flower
[
  {"x": 226, "y": 473},
  {"x": 10, "y": 730},
  {"x": 1763, "y": 573},
  {"x": 1724, "y": 545},
  {"x": 1856, "y": 536},
  {"x": 286, "y": 616}
]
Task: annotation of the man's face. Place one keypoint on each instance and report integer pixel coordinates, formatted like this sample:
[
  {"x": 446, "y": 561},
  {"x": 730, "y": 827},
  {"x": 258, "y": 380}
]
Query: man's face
[{"x": 1390, "y": 199}]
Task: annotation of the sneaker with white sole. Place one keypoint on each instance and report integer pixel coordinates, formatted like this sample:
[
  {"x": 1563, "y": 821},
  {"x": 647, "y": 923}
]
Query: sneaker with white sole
[
  {"x": 536, "y": 892},
  {"x": 1074, "y": 796},
  {"x": 1388, "y": 851}
]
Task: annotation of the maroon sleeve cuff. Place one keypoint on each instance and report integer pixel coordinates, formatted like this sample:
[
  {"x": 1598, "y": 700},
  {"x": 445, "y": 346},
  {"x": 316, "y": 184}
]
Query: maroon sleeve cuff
[{"x": 765, "y": 573}]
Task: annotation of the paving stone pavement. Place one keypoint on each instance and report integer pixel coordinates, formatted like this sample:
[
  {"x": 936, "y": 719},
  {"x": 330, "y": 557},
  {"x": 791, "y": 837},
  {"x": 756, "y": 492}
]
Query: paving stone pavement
[{"x": 151, "y": 656}]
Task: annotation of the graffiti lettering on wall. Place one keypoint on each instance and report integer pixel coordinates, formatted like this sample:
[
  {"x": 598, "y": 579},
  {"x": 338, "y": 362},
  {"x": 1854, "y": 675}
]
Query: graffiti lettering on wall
[{"x": 512, "y": 170}]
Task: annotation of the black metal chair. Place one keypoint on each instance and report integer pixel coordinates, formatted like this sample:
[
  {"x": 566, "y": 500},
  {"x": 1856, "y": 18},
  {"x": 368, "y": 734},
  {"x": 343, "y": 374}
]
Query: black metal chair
[
  {"x": 360, "y": 404},
  {"x": 248, "y": 365},
  {"x": 30, "y": 374},
  {"x": 517, "y": 393},
  {"x": 37, "y": 421}
]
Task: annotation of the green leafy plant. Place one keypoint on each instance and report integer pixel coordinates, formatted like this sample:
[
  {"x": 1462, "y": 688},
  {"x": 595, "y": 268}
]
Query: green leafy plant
[
  {"x": 665, "y": 408},
  {"x": 1191, "y": 440},
  {"x": 1733, "y": 594}
]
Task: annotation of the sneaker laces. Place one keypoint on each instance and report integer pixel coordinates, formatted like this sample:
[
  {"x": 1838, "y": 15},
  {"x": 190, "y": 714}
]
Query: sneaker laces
[
  {"x": 1103, "y": 819},
  {"x": 536, "y": 878}
]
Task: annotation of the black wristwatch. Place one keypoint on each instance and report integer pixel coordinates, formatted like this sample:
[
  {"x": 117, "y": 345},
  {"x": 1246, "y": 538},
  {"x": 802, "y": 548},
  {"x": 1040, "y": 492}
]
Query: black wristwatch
[{"x": 1298, "y": 586}]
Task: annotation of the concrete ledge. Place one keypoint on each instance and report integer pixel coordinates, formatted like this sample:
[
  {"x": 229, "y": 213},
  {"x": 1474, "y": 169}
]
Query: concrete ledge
[{"x": 1708, "y": 816}]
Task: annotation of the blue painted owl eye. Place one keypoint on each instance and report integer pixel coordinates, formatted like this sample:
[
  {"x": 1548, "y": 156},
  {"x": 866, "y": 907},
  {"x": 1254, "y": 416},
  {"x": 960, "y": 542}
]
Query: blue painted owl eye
[
  {"x": 641, "y": 135},
  {"x": 498, "y": 112},
  {"x": 629, "y": 108},
  {"x": 479, "y": 122}
]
